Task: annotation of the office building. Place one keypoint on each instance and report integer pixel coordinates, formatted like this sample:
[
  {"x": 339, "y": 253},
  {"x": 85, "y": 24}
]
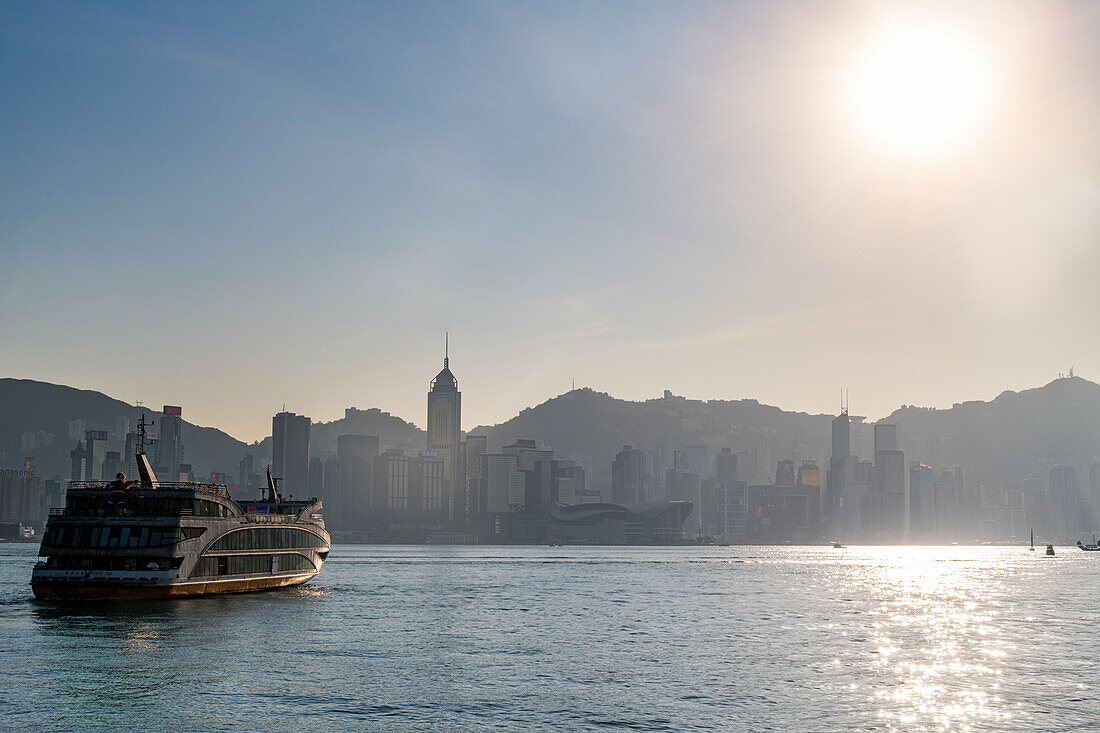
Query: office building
[
  {"x": 170, "y": 443},
  {"x": 628, "y": 476},
  {"x": 290, "y": 452},
  {"x": 444, "y": 434},
  {"x": 353, "y": 503}
]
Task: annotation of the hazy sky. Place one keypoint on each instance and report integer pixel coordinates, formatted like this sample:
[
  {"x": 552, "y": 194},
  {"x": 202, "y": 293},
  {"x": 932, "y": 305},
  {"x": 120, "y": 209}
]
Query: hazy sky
[{"x": 234, "y": 206}]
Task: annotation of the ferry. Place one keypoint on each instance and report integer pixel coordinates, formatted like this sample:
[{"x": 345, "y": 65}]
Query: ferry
[{"x": 152, "y": 539}]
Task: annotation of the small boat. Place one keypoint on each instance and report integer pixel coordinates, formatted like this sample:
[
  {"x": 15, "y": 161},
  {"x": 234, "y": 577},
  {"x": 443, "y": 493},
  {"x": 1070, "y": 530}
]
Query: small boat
[
  {"x": 1032, "y": 548},
  {"x": 1050, "y": 550},
  {"x": 1088, "y": 548},
  {"x": 837, "y": 545}
]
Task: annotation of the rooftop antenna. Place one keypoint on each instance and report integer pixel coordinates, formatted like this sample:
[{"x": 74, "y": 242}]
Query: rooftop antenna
[{"x": 446, "y": 349}]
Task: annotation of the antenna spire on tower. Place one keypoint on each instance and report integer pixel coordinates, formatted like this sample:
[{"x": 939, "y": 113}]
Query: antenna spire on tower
[{"x": 446, "y": 349}]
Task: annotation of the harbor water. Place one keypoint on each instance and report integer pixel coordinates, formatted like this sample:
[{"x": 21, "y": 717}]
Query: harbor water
[{"x": 402, "y": 638}]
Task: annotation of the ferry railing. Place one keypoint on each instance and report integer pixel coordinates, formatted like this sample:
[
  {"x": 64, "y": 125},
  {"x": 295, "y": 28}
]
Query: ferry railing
[{"x": 198, "y": 486}]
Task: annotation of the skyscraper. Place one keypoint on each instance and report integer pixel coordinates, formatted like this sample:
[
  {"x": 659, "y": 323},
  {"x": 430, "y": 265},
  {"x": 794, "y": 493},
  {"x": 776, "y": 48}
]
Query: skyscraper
[
  {"x": 628, "y": 476},
  {"x": 475, "y": 447},
  {"x": 290, "y": 452},
  {"x": 445, "y": 432},
  {"x": 353, "y": 501},
  {"x": 170, "y": 443}
]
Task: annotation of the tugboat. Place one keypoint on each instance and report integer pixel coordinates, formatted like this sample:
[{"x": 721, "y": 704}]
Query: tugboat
[{"x": 153, "y": 539}]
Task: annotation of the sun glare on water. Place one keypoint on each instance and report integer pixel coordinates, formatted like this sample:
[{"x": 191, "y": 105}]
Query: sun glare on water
[{"x": 918, "y": 88}]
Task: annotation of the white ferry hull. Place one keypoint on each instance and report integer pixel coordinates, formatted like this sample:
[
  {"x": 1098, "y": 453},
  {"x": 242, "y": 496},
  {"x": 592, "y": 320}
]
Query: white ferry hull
[{"x": 150, "y": 585}]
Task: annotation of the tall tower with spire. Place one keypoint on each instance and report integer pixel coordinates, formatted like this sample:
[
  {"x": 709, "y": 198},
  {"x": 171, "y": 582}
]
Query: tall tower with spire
[{"x": 445, "y": 429}]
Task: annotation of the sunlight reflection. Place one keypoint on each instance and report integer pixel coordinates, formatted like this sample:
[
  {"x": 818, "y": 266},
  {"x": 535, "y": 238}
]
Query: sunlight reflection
[{"x": 934, "y": 634}]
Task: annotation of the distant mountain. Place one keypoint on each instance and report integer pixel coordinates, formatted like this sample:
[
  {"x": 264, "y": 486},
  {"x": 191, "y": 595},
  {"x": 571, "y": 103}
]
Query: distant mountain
[
  {"x": 27, "y": 406},
  {"x": 584, "y": 423},
  {"x": 1016, "y": 435}
]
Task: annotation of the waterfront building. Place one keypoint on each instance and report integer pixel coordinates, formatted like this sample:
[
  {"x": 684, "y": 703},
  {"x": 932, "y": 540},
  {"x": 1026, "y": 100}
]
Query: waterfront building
[
  {"x": 504, "y": 483},
  {"x": 923, "y": 524},
  {"x": 838, "y": 506},
  {"x": 391, "y": 488},
  {"x": 20, "y": 496},
  {"x": 474, "y": 508},
  {"x": 1065, "y": 504},
  {"x": 538, "y": 467},
  {"x": 684, "y": 485},
  {"x": 647, "y": 523},
  {"x": 352, "y": 503},
  {"x": 290, "y": 451}
]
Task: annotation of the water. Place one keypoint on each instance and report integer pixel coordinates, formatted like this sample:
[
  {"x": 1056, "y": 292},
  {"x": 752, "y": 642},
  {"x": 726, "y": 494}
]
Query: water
[{"x": 540, "y": 638}]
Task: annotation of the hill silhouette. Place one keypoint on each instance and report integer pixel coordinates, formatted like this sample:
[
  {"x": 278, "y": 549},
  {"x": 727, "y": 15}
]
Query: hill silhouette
[{"x": 1016, "y": 435}]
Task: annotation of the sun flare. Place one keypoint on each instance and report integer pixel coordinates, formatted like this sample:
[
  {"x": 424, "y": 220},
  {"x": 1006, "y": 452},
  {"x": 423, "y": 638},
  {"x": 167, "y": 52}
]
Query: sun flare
[{"x": 918, "y": 88}]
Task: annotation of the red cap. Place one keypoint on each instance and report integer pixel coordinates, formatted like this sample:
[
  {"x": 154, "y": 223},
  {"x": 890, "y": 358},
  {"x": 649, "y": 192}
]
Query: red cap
[{"x": 120, "y": 475}]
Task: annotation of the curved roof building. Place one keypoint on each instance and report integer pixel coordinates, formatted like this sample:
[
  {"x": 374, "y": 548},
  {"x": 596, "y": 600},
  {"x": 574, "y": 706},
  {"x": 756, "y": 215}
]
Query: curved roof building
[{"x": 657, "y": 522}]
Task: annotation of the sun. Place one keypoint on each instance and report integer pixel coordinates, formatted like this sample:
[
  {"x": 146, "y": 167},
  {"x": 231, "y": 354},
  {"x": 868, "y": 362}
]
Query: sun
[{"x": 918, "y": 88}]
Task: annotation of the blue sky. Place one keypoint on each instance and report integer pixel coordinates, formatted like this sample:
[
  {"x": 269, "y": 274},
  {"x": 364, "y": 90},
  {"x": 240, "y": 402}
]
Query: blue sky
[{"x": 234, "y": 206}]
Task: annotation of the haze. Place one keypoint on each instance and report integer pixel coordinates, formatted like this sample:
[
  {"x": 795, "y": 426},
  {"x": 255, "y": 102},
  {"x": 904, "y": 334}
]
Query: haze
[{"x": 232, "y": 207}]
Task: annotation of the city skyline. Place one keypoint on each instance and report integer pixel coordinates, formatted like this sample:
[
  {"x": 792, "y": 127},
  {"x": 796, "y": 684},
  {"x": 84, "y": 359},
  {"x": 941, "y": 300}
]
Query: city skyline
[{"x": 709, "y": 199}]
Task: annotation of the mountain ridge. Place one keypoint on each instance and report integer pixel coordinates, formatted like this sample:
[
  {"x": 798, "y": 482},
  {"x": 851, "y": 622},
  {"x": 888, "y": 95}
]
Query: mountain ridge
[{"x": 1017, "y": 433}]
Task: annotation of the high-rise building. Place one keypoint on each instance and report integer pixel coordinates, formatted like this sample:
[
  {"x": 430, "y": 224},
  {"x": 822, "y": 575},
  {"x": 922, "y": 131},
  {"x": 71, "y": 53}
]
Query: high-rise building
[
  {"x": 840, "y": 509},
  {"x": 889, "y": 488},
  {"x": 20, "y": 495},
  {"x": 784, "y": 473},
  {"x": 537, "y": 466},
  {"x": 474, "y": 447},
  {"x": 290, "y": 452},
  {"x": 428, "y": 504},
  {"x": 391, "y": 488},
  {"x": 445, "y": 433},
  {"x": 353, "y": 501},
  {"x": 922, "y": 502},
  {"x": 112, "y": 464},
  {"x": 129, "y": 455},
  {"x": 725, "y": 466},
  {"x": 316, "y": 477},
  {"x": 505, "y": 486},
  {"x": 246, "y": 471},
  {"x": 1065, "y": 504},
  {"x": 95, "y": 452},
  {"x": 170, "y": 443},
  {"x": 78, "y": 461},
  {"x": 886, "y": 437},
  {"x": 628, "y": 476}
]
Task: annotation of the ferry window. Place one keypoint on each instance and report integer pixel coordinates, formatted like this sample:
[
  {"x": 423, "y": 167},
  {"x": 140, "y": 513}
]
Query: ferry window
[
  {"x": 143, "y": 541},
  {"x": 154, "y": 538},
  {"x": 104, "y": 536},
  {"x": 124, "y": 537},
  {"x": 190, "y": 533},
  {"x": 223, "y": 565}
]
